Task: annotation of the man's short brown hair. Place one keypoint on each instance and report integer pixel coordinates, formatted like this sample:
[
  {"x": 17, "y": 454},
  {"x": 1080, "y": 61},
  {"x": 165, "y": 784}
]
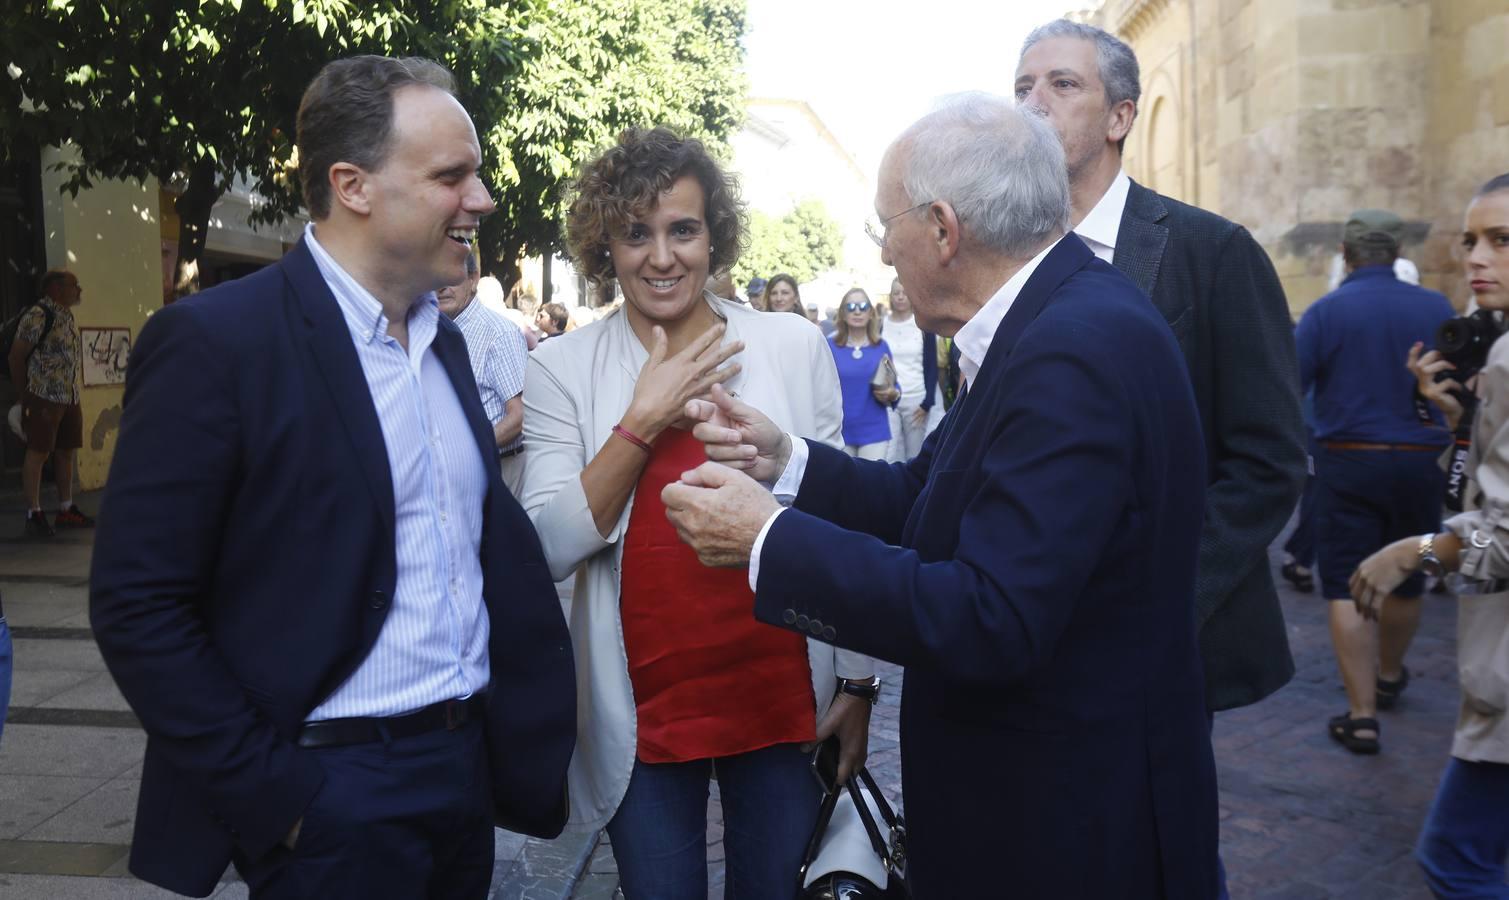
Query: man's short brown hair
[{"x": 347, "y": 116}]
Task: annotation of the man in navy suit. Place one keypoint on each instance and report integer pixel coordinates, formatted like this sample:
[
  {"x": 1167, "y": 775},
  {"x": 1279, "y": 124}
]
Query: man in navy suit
[
  {"x": 1033, "y": 567},
  {"x": 334, "y": 622}
]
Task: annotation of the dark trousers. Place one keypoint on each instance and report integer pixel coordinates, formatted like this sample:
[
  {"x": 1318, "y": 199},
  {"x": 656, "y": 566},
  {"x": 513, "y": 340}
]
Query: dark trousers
[{"x": 407, "y": 818}]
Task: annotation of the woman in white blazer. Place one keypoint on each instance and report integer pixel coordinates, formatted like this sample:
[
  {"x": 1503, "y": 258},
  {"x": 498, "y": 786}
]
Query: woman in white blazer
[{"x": 674, "y": 676}]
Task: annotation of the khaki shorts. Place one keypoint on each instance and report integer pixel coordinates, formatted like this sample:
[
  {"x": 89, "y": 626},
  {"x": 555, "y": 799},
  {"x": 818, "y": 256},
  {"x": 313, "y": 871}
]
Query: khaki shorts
[{"x": 51, "y": 426}]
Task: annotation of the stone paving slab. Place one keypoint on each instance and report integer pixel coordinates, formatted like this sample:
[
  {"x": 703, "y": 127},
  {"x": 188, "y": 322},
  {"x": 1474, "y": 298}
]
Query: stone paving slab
[
  {"x": 56, "y": 887},
  {"x": 70, "y": 750},
  {"x": 27, "y": 801}
]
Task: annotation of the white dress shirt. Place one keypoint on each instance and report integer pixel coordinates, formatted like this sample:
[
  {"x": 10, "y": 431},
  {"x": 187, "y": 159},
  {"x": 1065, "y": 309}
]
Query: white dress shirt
[
  {"x": 1100, "y": 227},
  {"x": 433, "y": 644},
  {"x": 973, "y": 341}
]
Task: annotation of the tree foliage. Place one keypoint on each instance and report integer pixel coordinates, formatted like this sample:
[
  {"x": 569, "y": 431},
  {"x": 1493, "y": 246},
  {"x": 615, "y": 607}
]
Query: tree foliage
[
  {"x": 591, "y": 69},
  {"x": 199, "y": 92},
  {"x": 804, "y": 243}
]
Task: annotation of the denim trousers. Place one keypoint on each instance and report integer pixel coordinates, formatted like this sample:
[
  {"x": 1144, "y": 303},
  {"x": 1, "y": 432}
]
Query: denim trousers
[
  {"x": 659, "y": 834},
  {"x": 1465, "y": 840}
]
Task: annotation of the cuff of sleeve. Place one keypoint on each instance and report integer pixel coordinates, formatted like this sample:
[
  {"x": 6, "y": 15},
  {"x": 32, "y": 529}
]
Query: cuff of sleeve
[
  {"x": 754, "y": 552},
  {"x": 1477, "y": 533},
  {"x": 790, "y": 482}
]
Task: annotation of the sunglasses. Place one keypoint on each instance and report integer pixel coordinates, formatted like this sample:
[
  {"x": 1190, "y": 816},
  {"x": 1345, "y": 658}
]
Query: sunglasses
[{"x": 857, "y": 307}]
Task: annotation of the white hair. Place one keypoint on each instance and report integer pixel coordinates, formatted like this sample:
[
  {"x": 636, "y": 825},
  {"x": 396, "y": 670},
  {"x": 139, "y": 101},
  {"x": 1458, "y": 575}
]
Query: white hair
[{"x": 1002, "y": 170}]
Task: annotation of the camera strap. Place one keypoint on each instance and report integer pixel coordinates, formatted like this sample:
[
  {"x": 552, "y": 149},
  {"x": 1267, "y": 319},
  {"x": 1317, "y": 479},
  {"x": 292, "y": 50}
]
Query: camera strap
[{"x": 1461, "y": 446}]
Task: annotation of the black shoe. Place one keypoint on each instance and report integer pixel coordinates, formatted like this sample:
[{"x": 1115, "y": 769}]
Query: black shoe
[
  {"x": 1298, "y": 576},
  {"x": 1388, "y": 691},
  {"x": 73, "y": 517},
  {"x": 37, "y": 524}
]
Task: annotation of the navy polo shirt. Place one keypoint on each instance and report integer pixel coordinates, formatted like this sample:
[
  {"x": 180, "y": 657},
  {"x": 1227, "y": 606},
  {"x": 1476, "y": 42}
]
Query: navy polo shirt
[{"x": 1352, "y": 347}]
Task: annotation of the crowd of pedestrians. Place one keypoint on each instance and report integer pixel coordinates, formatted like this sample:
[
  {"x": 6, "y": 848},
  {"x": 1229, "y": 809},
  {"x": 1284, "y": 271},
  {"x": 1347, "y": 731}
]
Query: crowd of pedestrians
[{"x": 343, "y": 488}]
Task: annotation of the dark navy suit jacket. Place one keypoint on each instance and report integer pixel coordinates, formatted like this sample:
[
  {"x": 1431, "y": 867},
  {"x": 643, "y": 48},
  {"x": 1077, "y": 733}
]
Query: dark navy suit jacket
[
  {"x": 244, "y": 564},
  {"x": 1033, "y": 569}
]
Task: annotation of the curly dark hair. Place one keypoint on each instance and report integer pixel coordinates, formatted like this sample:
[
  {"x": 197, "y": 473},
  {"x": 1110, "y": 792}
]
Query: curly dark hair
[{"x": 625, "y": 182}]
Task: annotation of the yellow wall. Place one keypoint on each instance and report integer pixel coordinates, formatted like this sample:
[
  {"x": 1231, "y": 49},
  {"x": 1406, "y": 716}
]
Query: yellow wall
[{"x": 109, "y": 236}]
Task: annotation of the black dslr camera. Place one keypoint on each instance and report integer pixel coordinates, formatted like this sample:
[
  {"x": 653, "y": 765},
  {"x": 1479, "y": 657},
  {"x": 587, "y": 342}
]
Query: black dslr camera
[{"x": 1464, "y": 342}]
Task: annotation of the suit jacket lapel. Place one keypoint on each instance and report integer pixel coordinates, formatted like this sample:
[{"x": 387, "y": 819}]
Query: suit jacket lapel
[
  {"x": 329, "y": 341},
  {"x": 1067, "y": 257},
  {"x": 1141, "y": 239}
]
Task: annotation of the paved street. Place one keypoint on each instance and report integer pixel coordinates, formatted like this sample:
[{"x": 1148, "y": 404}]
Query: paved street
[{"x": 1301, "y": 818}]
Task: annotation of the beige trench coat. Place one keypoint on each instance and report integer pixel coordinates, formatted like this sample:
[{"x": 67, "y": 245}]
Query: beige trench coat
[{"x": 1482, "y": 733}]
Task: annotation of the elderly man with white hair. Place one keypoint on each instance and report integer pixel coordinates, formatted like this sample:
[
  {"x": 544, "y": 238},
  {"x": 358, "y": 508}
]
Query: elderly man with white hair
[{"x": 1033, "y": 568}]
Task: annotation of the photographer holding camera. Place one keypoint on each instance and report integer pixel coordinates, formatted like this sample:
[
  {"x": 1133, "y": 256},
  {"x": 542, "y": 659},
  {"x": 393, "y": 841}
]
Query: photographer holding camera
[
  {"x": 1376, "y": 474},
  {"x": 1465, "y": 838}
]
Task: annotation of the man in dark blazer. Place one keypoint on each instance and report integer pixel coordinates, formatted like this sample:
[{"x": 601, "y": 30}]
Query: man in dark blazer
[
  {"x": 1218, "y": 292},
  {"x": 334, "y": 622},
  {"x": 1032, "y": 568}
]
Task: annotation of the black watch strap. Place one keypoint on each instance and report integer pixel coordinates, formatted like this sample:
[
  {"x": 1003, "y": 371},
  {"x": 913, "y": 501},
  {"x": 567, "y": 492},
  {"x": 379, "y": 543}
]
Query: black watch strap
[{"x": 867, "y": 690}]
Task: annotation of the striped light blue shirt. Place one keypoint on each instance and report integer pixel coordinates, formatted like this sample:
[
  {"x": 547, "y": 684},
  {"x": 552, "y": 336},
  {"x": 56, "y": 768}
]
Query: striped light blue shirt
[
  {"x": 498, "y": 353},
  {"x": 433, "y": 645}
]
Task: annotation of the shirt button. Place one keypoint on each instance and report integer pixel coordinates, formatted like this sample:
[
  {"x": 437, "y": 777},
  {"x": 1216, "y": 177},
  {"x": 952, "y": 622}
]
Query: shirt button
[{"x": 379, "y": 600}]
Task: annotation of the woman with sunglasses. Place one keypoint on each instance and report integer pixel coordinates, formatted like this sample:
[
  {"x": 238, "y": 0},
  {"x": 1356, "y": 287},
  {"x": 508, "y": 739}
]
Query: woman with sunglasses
[
  {"x": 858, "y": 352},
  {"x": 1465, "y": 839},
  {"x": 675, "y": 678}
]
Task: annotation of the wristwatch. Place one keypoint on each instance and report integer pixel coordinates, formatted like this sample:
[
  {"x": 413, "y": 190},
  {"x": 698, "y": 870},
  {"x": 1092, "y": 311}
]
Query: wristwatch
[
  {"x": 1427, "y": 561},
  {"x": 867, "y": 689}
]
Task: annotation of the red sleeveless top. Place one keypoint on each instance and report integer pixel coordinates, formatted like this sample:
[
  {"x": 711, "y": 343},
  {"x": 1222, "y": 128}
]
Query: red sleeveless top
[{"x": 708, "y": 679}]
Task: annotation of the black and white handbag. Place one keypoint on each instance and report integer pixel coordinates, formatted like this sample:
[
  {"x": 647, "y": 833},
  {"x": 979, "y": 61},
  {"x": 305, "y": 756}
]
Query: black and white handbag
[{"x": 849, "y": 856}]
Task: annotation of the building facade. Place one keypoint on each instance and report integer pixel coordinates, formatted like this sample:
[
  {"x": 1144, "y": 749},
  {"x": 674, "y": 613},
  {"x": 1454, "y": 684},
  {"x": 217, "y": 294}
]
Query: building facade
[{"x": 1286, "y": 115}]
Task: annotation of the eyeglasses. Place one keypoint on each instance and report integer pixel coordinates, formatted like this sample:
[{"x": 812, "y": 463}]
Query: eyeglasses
[
  {"x": 876, "y": 231},
  {"x": 857, "y": 307}
]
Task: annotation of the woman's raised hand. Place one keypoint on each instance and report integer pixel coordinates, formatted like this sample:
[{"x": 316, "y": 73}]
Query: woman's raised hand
[
  {"x": 1425, "y": 366},
  {"x": 667, "y": 382}
]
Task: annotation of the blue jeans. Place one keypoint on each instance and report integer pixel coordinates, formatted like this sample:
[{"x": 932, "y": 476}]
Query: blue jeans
[
  {"x": 7, "y": 661},
  {"x": 1465, "y": 840},
  {"x": 659, "y": 833}
]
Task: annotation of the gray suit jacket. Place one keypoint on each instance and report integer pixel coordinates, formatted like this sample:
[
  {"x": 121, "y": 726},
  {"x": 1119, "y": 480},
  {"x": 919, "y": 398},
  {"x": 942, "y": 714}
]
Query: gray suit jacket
[{"x": 1217, "y": 289}]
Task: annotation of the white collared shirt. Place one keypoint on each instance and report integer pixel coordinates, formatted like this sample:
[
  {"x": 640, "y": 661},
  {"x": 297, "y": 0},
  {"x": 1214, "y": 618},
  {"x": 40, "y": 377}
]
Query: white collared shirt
[
  {"x": 973, "y": 340},
  {"x": 1100, "y": 227}
]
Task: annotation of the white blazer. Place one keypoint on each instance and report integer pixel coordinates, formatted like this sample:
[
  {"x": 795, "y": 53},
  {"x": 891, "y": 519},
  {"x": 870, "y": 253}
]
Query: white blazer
[{"x": 578, "y": 387}]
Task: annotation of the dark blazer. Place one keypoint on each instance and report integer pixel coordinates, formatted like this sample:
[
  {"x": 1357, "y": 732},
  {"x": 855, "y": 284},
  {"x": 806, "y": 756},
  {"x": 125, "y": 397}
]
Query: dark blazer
[
  {"x": 1219, "y": 293},
  {"x": 244, "y": 564},
  {"x": 1033, "y": 569}
]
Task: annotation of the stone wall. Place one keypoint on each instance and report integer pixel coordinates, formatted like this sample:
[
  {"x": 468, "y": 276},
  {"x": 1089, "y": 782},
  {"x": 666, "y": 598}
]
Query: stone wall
[{"x": 1285, "y": 115}]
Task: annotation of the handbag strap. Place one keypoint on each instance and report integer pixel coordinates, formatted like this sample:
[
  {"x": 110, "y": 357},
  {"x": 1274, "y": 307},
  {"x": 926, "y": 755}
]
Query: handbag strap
[
  {"x": 885, "y": 808},
  {"x": 877, "y": 842},
  {"x": 824, "y": 816}
]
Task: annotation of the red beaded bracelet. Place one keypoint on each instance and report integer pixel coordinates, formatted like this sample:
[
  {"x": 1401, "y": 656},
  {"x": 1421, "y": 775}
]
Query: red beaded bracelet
[{"x": 632, "y": 438}]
